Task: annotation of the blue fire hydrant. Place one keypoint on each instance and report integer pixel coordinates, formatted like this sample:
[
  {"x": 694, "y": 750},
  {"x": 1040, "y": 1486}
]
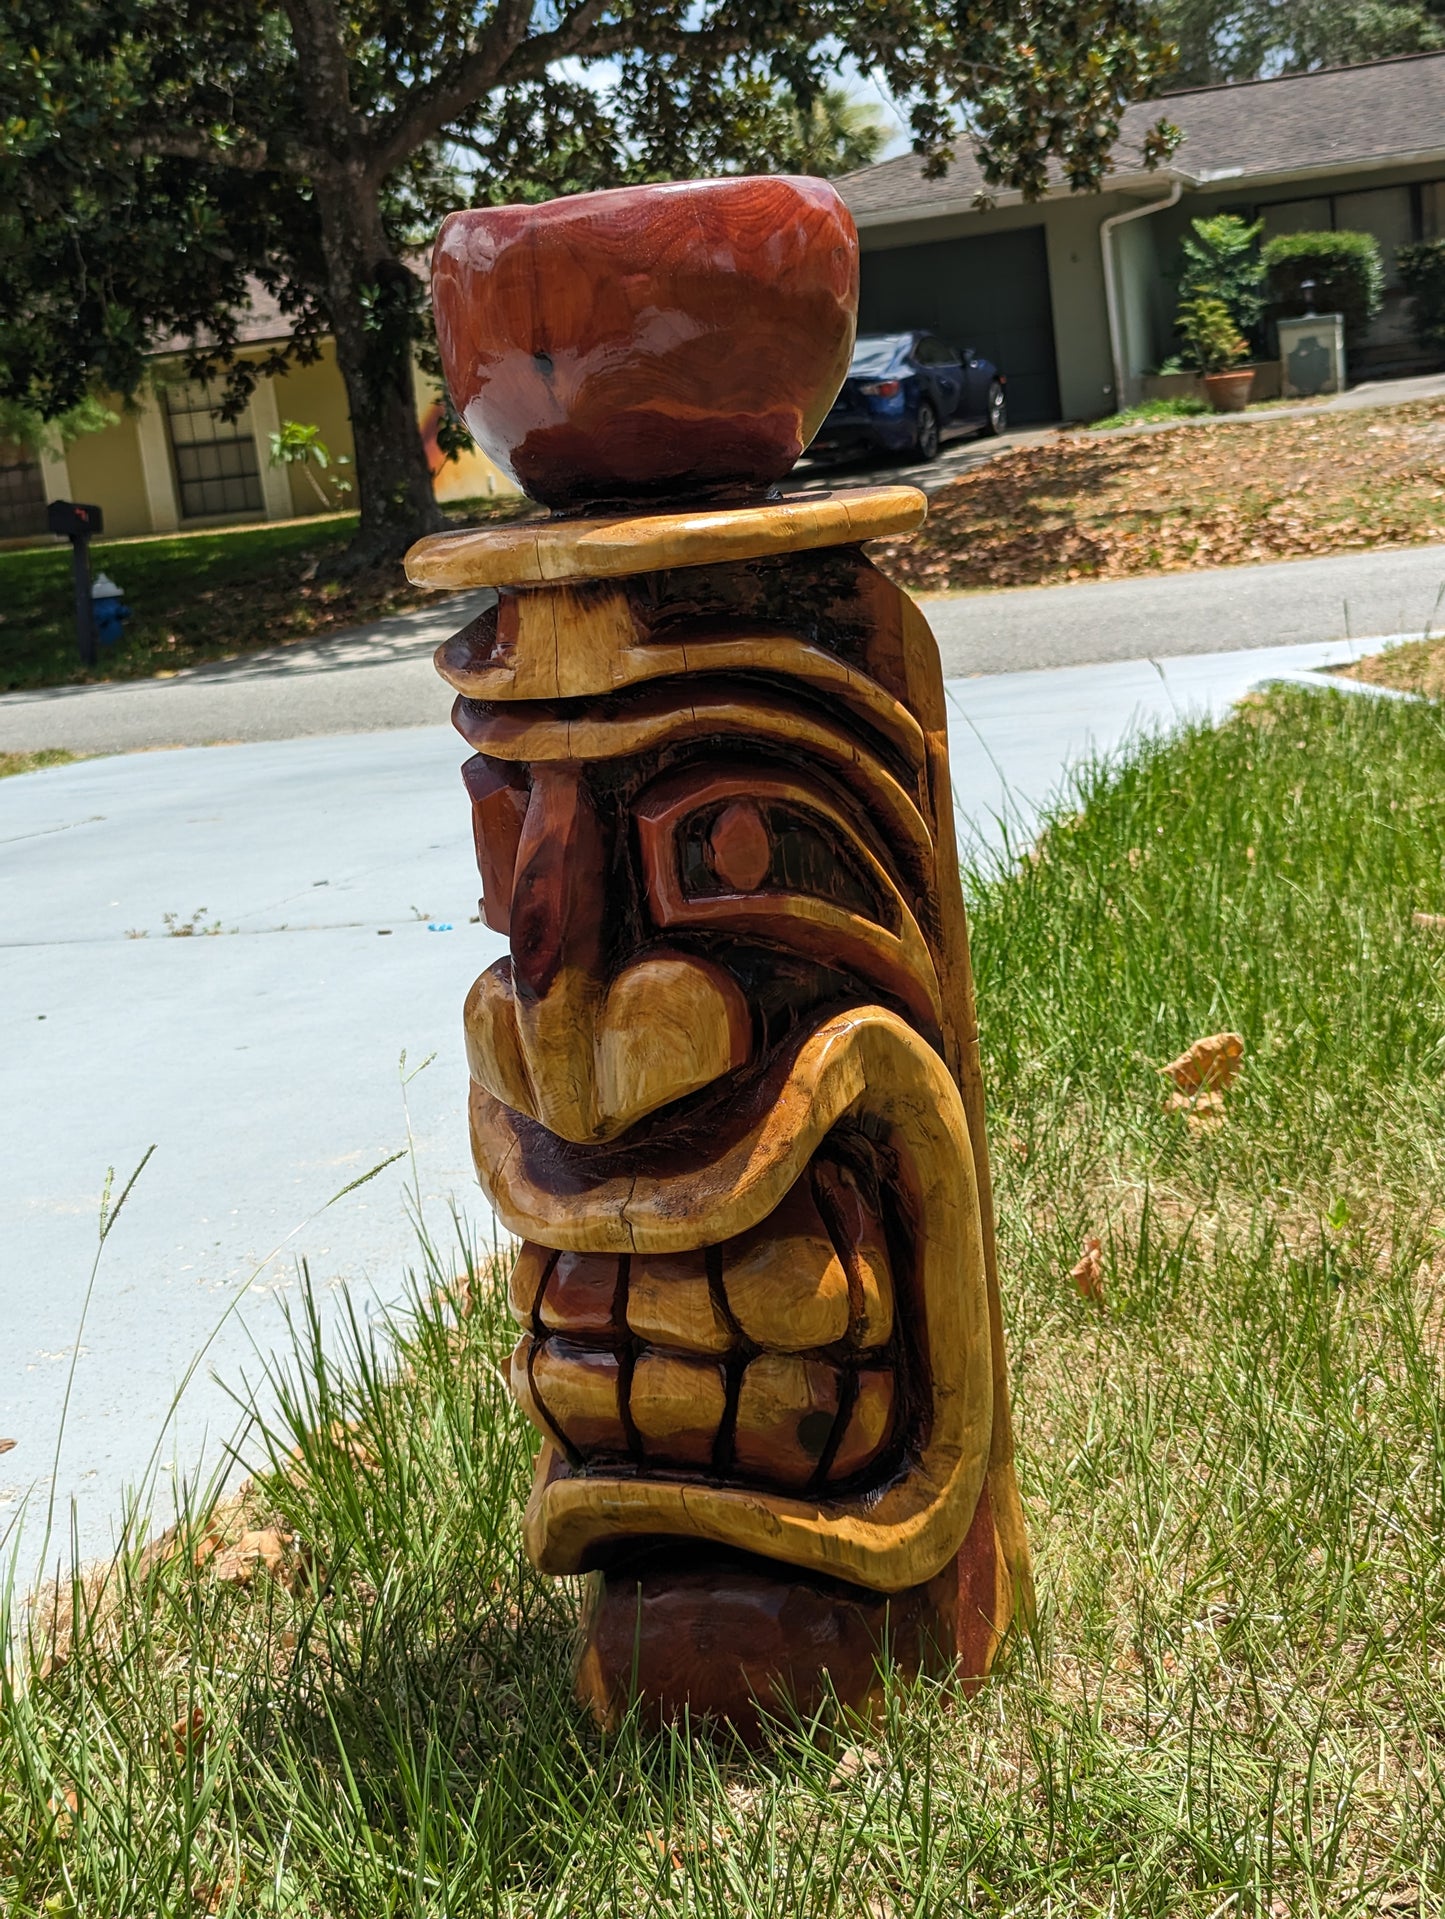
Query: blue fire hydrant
[{"x": 110, "y": 609}]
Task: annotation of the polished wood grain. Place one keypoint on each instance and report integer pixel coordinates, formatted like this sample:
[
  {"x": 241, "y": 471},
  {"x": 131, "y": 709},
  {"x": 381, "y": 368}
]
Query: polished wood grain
[
  {"x": 656, "y": 340},
  {"x": 563, "y": 552}
]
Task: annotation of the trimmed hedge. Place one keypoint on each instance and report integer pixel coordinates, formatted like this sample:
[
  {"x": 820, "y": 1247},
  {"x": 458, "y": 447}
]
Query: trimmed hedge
[
  {"x": 1348, "y": 275},
  {"x": 1422, "y": 268}
]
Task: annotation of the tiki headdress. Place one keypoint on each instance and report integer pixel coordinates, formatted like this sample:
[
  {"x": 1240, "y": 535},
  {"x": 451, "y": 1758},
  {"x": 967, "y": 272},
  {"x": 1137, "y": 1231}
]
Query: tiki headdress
[{"x": 725, "y": 1089}]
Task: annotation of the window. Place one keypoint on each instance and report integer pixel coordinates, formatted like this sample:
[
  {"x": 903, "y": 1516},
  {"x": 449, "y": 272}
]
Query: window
[
  {"x": 22, "y": 494},
  {"x": 1386, "y": 213},
  {"x": 216, "y": 466}
]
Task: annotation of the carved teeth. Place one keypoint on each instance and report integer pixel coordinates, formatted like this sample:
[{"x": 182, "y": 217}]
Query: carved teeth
[
  {"x": 670, "y": 1303},
  {"x": 785, "y": 1285},
  {"x": 629, "y": 1358},
  {"x": 580, "y": 1296},
  {"x": 869, "y": 1422},
  {"x": 677, "y": 1407},
  {"x": 577, "y": 1387},
  {"x": 787, "y": 1409}
]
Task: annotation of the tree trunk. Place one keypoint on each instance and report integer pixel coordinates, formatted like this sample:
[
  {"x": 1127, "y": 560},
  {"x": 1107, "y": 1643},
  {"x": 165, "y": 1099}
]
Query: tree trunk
[{"x": 373, "y": 299}]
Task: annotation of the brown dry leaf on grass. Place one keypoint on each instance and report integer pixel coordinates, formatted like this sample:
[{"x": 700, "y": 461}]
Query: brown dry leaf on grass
[
  {"x": 854, "y": 1762},
  {"x": 8, "y": 1445},
  {"x": 1427, "y": 923},
  {"x": 1201, "y": 1077},
  {"x": 1094, "y": 506},
  {"x": 262, "y": 1549},
  {"x": 1088, "y": 1273},
  {"x": 189, "y": 1733}
]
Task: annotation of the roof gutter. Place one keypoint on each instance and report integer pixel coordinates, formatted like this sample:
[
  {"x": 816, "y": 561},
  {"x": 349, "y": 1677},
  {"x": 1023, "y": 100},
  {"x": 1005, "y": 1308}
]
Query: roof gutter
[{"x": 1111, "y": 297}]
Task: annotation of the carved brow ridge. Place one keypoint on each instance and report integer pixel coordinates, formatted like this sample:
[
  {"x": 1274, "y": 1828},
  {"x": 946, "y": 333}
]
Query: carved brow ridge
[{"x": 527, "y": 731}]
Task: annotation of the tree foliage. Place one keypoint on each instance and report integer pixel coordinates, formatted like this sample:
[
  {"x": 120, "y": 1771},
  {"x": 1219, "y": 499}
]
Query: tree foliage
[
  {"x": 159, "y": 157},
  {"x": 1221, "y": 40}
]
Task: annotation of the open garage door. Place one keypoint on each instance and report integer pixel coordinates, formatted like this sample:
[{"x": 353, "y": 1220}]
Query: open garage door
[{"x": 991, "y": 294}]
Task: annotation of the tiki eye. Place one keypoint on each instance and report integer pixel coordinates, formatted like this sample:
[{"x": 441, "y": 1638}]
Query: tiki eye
[
  {"x": 739, "y": 847},
  {"x": 499, "y": 792},
  {"x": 771, "y": 845}
]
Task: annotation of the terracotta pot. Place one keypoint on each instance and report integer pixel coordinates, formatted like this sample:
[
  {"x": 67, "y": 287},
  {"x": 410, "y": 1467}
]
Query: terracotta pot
[
  {"x": 1229, "y": 392},
  {"x": 652, "y": 342}
]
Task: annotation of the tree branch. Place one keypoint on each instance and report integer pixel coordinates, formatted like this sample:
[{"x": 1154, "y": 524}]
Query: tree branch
[
  {"x": 244, "y": 155},
  {"x": 476, "y": 72}
]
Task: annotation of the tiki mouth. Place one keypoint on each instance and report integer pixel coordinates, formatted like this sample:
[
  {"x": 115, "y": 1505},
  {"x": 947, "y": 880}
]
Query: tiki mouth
[
  {"x": 815, "y": 1385},
  {"x": 776, "y": 1359}
]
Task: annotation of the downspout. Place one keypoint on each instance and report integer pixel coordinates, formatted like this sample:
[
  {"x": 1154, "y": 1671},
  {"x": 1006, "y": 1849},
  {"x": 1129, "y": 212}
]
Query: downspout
[{"x": 1111, "y": 298}]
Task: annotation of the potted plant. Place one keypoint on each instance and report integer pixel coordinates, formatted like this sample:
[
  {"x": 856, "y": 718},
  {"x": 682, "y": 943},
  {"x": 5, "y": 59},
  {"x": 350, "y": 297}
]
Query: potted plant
[{"x": 1214, "y": 345}]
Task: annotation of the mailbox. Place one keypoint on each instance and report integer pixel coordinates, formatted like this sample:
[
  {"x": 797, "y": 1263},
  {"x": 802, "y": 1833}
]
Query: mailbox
[{"x": 72, "y": 521}]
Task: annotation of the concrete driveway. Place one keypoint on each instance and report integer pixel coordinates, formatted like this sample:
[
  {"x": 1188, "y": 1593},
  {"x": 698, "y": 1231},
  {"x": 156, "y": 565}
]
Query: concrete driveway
[{"x": 224, "y": 953}]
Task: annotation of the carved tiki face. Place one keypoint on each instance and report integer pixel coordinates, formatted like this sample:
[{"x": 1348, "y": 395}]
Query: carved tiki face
[{"x": 718, "y": 1085}]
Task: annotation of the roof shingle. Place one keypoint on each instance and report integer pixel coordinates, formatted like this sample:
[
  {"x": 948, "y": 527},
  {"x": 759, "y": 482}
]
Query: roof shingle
[{"x": 1333, "y": 119}]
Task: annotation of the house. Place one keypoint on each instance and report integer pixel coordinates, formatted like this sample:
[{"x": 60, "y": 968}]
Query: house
[
  {"x": 1072, "y": 295},
  {"x": 170, "y": 462}
]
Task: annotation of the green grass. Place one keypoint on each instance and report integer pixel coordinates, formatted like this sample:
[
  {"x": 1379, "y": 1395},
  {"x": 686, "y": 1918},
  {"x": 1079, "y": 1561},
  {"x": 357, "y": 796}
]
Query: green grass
[
  {"x": 193, "y": 597},
  {"x": 198, "y": 596},
  {"x": 1146, "y": 411},
  {"x": 1234, "y": 1474},
  {"x": 13, "y": 763}
]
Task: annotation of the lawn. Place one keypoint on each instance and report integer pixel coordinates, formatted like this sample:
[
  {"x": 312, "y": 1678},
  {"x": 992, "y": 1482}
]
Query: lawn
[
  {"x": 1232, "y": 1454},
  {"x": 195, "y": 596},
  {"x": 1221, "y": 493}
]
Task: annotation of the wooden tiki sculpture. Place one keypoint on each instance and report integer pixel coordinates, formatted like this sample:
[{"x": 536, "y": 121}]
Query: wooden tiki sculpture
[{"x": 725, "y": 1089}]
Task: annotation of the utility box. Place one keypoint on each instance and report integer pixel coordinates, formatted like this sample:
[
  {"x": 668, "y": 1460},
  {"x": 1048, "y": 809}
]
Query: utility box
[{"x": 1312, "y": 355}]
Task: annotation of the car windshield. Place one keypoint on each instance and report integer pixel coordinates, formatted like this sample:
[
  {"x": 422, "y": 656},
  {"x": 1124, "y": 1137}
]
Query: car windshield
[{"x": 875, "y": 352}]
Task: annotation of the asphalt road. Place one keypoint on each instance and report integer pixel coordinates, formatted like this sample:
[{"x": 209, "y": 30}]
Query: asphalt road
[{"x": 377, "y": 678}]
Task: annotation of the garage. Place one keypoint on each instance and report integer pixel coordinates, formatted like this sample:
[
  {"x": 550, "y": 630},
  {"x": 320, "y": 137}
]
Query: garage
[{"x": 991, "y": 294}]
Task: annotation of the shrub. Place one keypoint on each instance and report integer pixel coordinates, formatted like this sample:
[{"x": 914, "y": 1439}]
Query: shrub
[
  {"x": 1422, "y": 268},
  {"x": 1221, "y": 262},
  {"x": 1348, "y": 276},
  {"x": 1212, "y": 341}
]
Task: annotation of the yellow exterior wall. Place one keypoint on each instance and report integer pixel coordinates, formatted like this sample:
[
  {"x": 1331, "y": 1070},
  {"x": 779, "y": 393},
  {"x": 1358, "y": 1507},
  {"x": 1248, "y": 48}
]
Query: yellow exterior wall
[
  {"x": 105, "y": 471},
  {"x": 316, "y": 396},
  {"x": 105, "y": 467}
]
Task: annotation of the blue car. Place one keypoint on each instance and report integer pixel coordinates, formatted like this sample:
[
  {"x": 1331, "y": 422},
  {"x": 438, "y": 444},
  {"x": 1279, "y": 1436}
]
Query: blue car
[{"x": 905, "y": 391}]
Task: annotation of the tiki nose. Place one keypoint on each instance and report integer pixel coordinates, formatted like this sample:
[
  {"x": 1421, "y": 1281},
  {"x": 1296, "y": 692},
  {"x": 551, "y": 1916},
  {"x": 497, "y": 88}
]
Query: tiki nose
[
  {"x": 559, "y": 885},
  {"x": 565, "y": 1034}
]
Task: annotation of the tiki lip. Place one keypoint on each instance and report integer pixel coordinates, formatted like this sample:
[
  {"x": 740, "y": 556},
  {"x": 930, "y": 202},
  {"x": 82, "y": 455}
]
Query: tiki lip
[{"x": 662, "y": 341}]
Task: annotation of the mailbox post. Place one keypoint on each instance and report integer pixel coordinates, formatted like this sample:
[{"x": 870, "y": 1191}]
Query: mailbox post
[{"x": 77, "y": 524}]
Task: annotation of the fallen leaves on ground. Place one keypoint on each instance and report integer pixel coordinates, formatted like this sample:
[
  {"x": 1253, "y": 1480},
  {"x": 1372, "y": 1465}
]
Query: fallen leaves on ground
[
  {"x": 1222, "y": 494},
  {"x": 8, "y": 1445},
  {"x": 1426, "y": 922},
  {"x": 1088, "y": 1273}
]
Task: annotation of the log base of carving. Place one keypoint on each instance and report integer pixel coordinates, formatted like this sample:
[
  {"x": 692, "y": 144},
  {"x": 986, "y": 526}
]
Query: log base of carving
[
  {"x": 703, "y": 1635},
  {"x": 726, "y": 1095}
]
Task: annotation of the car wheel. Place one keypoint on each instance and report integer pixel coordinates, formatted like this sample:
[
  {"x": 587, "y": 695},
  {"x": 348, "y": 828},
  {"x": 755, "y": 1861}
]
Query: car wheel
[
  {"x": 925, "y": 433},
  {"x": 997, "y": 409}
]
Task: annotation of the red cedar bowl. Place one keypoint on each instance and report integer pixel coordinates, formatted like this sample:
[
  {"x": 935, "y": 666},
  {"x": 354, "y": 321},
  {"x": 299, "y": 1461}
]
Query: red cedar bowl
[{"x": 651, "y": 343}]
